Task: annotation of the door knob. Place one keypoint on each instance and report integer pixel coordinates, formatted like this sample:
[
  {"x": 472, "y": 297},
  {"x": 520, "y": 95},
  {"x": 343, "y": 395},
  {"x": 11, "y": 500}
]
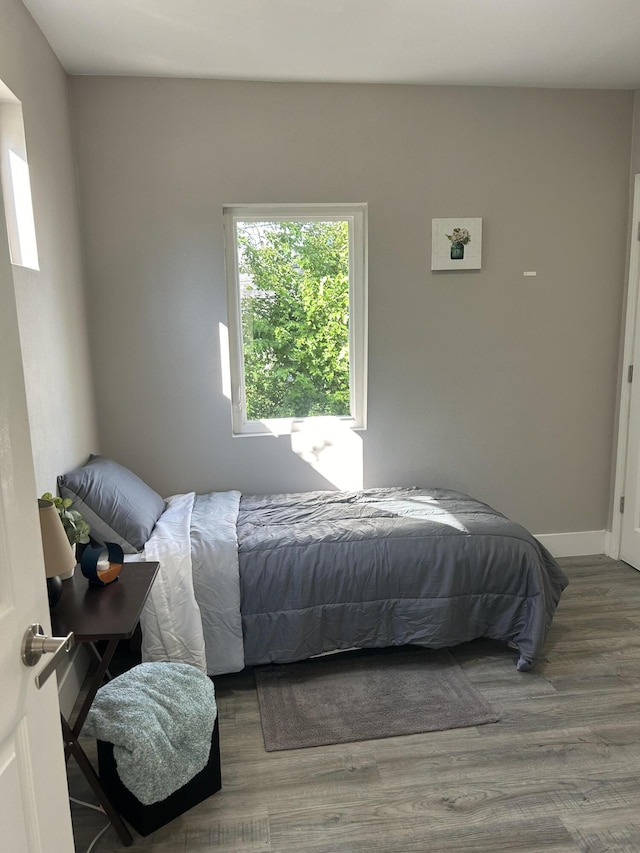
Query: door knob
[{"x": 35, "y": 643}]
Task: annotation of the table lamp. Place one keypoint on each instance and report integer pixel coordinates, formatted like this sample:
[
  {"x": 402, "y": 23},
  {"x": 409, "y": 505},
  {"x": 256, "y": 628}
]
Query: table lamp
[{"x": 59, "y": 557}]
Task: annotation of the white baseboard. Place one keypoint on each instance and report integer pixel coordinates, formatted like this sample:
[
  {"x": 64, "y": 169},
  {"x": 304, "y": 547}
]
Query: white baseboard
[
  {"x": 70, "y": 679},
  {"x": 575, "y": 544}
]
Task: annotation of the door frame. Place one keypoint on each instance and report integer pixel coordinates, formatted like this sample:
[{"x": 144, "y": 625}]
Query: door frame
[{"x": 630, "y": 331}]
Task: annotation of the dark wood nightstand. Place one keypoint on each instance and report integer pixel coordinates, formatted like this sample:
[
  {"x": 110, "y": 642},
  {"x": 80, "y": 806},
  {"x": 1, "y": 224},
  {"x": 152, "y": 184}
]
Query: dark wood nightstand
[{"x": 109, "y": 613}]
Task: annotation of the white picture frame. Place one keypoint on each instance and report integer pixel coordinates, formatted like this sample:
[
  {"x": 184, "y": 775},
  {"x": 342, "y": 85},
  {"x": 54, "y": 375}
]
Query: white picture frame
[{"x": 465, "y": 256}]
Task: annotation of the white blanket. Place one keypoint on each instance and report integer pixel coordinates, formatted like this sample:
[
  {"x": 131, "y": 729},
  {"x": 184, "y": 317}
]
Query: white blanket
[{"x": 172, "y": 619}]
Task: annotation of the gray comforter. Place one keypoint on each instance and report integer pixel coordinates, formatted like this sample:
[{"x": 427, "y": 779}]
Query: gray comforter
[{"x": 334, "y": 570}]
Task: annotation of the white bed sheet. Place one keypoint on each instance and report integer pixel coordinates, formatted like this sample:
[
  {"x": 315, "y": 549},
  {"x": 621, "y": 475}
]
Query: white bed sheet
[{"x": 172, "y": 619}]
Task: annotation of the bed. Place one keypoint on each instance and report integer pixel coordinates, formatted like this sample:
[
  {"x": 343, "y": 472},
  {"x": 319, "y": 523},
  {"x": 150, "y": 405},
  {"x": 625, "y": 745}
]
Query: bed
[{"x": 248, "y": 580}]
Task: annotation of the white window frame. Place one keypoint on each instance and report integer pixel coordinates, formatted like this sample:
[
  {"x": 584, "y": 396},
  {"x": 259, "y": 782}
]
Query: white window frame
[{"x": 356, "y": 216}]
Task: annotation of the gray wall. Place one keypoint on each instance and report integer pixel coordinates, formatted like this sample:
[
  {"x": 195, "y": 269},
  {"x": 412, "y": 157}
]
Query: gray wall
[
  {"x": 50, "y": 302},
  {"x": 489, "y": 382}
]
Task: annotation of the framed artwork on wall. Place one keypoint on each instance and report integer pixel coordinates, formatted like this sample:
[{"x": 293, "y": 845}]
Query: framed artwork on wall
[{"x": 456, "y": 244}]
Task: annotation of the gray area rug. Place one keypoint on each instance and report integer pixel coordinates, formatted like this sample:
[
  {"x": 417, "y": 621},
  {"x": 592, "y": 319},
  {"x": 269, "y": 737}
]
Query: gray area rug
[{"x": 364, "y": 696}]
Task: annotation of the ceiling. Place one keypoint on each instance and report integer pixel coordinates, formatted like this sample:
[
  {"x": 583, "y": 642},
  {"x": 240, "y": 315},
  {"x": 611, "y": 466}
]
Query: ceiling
[{"x": 547, "y": 43}]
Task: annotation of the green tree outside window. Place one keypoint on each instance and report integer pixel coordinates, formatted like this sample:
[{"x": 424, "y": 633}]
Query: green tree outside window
[{"x": 294, "y": 285}]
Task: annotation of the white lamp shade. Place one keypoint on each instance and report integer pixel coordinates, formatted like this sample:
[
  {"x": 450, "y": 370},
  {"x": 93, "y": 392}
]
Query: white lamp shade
[{"x": 59, "y": 557}]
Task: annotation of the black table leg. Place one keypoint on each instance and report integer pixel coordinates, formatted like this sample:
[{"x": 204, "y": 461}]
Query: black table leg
[
  {"x": 96, "y": 682},
  {"x": 73, "y": 747}
]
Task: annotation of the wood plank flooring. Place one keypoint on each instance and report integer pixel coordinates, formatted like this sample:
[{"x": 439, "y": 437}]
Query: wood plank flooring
[{"x": 560, "y": 772}]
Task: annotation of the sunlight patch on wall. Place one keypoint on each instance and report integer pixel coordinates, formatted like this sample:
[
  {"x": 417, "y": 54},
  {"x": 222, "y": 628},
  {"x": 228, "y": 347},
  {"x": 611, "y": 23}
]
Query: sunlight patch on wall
[
  {"x": 24, "y": 249},
  {"x": 332, "y": 449},
  {"x": 225, "y": 366}
]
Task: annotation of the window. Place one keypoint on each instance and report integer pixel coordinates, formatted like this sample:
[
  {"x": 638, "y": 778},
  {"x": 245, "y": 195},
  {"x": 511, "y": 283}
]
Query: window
[
  {"x": 296, "y": 280},
  {"x": 16, "y": 187}
]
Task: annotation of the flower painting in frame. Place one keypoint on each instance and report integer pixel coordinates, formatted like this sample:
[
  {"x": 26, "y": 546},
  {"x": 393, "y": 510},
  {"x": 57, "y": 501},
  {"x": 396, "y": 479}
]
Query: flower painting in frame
[{"x": 456, "y": 244}]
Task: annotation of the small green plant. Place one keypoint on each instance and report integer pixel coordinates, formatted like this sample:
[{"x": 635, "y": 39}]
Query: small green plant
[{"x": 75, "y": 526}]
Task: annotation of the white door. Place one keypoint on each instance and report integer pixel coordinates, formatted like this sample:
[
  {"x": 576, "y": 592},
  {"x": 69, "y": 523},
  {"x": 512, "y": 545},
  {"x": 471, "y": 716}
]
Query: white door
[
  {"x": 628, "y": 472},
  {"x": 34, "y": 804}
]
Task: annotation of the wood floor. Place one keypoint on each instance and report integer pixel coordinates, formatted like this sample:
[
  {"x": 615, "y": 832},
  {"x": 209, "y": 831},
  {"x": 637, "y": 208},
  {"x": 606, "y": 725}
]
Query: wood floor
[{"x": 559, "y": 773}]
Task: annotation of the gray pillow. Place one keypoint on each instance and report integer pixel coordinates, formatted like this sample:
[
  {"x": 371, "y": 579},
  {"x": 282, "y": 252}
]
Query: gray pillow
[{"x": 118, "y": 505}]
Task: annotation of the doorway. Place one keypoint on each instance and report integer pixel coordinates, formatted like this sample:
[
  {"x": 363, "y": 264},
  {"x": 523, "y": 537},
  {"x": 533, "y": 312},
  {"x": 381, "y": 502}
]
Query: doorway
[{"x": 625, "y": 528}]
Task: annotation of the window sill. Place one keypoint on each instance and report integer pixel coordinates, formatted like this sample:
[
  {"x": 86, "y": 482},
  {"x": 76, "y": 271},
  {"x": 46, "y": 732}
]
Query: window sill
[{"x": 292, "y": 426}]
